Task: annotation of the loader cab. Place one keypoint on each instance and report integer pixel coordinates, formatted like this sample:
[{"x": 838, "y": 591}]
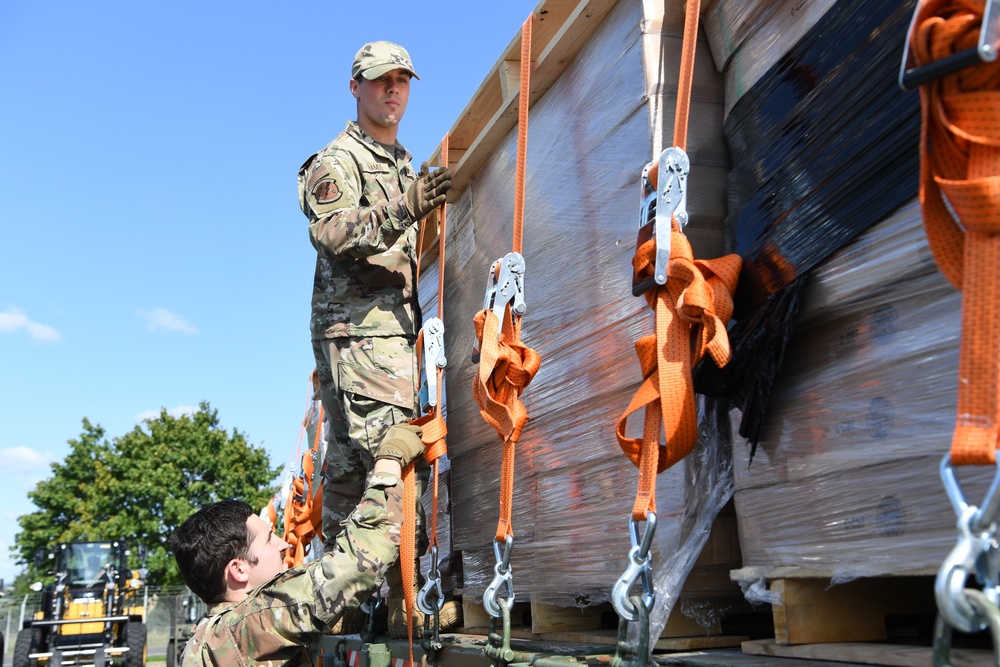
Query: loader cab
[{"x": 90, "y": 565}]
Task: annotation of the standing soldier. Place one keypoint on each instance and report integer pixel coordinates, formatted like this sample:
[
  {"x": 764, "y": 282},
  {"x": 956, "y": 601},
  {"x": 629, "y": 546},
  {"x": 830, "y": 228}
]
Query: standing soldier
[{"x": 364, "y": 202}]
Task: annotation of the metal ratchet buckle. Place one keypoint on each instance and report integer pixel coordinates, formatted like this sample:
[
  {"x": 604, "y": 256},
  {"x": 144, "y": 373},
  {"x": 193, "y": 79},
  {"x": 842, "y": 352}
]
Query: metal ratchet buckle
[
  {"x": 433, "y": 356},
  {"x": 973, "y": 554},
  {"x": 668, "y": 198},
  {"x": 505, "y": 285},
  {"x": 985, "y": 52},
  {"x": 639, "y": 569},
  {"x": 503, "y": 577}
]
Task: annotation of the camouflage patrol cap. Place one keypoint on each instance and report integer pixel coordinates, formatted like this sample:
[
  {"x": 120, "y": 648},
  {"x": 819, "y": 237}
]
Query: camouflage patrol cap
[{"x": 376, "y": 58}]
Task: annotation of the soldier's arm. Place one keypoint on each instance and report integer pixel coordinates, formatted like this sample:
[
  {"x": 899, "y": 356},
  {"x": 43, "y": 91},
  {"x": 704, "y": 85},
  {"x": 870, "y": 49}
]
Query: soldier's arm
[
  {"x": 330, "y": 192},
  {"x": 369, "y": 543}
]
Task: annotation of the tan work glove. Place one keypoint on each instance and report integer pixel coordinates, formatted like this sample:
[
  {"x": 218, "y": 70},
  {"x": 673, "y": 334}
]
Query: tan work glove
[
  {"x": 427, "y": 192},
  {"x": 402, "y": 443}
]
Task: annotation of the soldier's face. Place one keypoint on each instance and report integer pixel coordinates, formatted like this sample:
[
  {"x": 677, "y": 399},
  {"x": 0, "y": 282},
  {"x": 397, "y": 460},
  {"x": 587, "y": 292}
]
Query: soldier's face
[
  {"x": 382, "y": 101},
  {"x": 268, "y": 549}
]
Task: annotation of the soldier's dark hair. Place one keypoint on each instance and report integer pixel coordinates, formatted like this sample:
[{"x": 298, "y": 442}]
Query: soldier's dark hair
[{"x": 205, "y": 544}]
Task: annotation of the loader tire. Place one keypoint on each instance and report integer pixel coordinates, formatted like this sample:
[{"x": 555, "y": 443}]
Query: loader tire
[
  {"x": 135, "y": 640},
  {"x": 23, "y": 647},
  {"x": 171, "y": 653}
]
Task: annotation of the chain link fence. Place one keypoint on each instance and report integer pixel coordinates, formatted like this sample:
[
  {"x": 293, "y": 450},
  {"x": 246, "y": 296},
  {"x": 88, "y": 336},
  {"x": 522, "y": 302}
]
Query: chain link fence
[{"x": 164, "y": 611}]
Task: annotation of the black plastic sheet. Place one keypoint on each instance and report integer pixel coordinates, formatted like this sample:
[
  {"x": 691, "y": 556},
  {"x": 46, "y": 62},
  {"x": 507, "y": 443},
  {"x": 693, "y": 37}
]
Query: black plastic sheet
[{"x": 824, "y": 146}]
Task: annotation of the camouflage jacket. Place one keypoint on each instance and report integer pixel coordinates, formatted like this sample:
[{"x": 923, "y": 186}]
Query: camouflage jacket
[
  {"x": 280, "y": 622},
  {"x": 352, "y": 194}
]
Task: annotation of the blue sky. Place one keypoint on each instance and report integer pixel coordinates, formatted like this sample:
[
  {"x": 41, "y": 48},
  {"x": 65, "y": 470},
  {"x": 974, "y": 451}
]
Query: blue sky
[{"x": 153, "y": 252}]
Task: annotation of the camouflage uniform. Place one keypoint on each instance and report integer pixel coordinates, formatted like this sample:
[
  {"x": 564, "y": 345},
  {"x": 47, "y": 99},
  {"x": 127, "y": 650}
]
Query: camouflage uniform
[
  {"x": 365, "y": 314},
  {"x": 281, "y": 622}
]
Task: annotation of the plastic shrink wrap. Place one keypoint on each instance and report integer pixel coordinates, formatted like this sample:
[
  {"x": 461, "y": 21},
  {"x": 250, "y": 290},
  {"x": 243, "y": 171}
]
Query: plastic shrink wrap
[
  {"x": 748, "y": 37},
  {"x": 861, "y": 416},
  {"x": 589, "y": 137},
  {"x": 824, "y": 146}
]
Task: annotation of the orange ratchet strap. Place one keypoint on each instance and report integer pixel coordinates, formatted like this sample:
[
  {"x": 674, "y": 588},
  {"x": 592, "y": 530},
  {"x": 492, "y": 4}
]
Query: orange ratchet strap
[
  {"x": 960, "y": 171},
  {"x": 430, "y": 343},
  {"x": 506, "y": 365},
  {"x": 692, "y": 300}
]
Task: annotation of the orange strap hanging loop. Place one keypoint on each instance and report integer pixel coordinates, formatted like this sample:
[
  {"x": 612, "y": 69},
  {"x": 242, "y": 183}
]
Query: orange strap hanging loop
[
  {"x": 692, "y": 301},
  {"x": 506, "y": 365},
  {"x": 691, "y": 314},
  {"x": 960, "y": 171},
  {"x": 433, "y": 428},
  {"x": 303, "y": 515}
]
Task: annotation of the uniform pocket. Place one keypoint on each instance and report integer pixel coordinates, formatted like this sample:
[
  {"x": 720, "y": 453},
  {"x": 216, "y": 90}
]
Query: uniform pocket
[{"x": 376, "y": 385}]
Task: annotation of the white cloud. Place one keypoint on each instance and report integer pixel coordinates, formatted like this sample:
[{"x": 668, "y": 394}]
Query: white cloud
[
  {"x": 175, "y": 412},
  {"x": 161, "y": 319},
  {"x": 14, "y": 320},
  {"x": 23, "y": 459},
  {"x": 23, "y": 469}
]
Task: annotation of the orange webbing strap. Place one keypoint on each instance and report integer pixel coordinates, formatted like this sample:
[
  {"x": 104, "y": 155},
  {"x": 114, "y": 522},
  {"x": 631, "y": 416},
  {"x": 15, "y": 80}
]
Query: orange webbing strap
[
  {"x": 271, "y": 512},
  {"x": 506, "y": 365},
  {"x": 685, "y": 81},
  {"x": 304, "y": 506},
  {"x": 692, "y": 310},
  {"x": 960, "y": 163},
  {"x": 433, "y": 425},
  {"x": 433, "y": 432},
  {"x": 524, "y": 100},
  {"x": 691, "y": 314}
]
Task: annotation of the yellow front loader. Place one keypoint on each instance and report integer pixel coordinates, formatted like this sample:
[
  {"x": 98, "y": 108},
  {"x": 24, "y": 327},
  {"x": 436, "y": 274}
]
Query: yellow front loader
[{"x": 92, "y": 615}]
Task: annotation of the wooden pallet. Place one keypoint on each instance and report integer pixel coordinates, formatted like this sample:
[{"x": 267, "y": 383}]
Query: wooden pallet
[
  {"x": 595, "y": 625},
  {"x": 812, "y": 611},
  {"x": 868, "y": 653},
  {"x": 872, "y": 621}
]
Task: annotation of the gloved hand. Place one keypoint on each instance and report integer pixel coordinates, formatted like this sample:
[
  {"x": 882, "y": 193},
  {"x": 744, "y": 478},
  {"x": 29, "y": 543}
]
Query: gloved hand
[
  {"x": 401, "y": 442},
  {"x": 427, "y": 192}
]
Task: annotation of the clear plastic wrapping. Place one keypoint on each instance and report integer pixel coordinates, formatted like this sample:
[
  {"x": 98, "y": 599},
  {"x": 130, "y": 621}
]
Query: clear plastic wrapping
[
  {"x": 824, "y": 145},
  {"x": 589, "y": 137},
  {"x": 898, "y": 243},
  {"x": 748, "y": 37},
  {"x": 845, "y": 478}
]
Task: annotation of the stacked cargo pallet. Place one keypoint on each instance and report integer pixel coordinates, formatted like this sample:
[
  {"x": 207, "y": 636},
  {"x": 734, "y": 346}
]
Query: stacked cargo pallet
[
  {"x": 597, "y": 115},
  {"x": 842, "y": 515}
]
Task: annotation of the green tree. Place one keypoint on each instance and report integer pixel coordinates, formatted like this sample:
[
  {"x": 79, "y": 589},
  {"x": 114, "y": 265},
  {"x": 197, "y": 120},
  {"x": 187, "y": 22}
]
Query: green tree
[{"x": 142, "y": 485}]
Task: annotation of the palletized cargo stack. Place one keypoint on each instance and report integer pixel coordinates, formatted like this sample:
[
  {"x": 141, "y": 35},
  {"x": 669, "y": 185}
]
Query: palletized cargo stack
[
  {"x": 844, "y": 481},
  {"x": 860, "y": 418},
  {"x": 596, "y": 118},
  {"x": 817, "y": 194}
]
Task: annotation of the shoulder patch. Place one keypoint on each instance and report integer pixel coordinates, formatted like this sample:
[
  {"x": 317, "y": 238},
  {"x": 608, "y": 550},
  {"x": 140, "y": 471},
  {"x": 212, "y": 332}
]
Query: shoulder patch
[{"x": 326, "y": 191}]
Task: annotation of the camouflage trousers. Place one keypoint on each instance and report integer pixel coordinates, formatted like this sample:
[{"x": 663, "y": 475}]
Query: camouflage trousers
[{"x": 366, "y": 386}]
